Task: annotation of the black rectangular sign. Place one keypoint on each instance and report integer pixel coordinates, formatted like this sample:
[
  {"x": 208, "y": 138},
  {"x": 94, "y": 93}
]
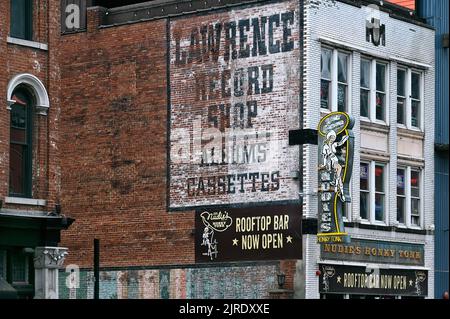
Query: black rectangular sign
[
  {"x": 373, "y": 281},
  {"x": 256, "y": 233}
]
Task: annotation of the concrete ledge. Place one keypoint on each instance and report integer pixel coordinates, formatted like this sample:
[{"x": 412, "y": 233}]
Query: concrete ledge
[
  {"x": 25, "y": 201},
  {"x": 27, "y": 43}
]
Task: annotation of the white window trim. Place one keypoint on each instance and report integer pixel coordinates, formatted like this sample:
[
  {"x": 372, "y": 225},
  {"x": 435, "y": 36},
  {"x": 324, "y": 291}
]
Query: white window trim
[
  {"x": 373, "y": 91},
  {"x": 373, "y": 192},
  {"x": 27, "y": 270},
  {"x": 3, "y": 260},
  {"x": 333, "y": 107},
  {"x": 330, "y": 89},
  {"x": 27, "y": 43},
  {"x": 35, "y": 85},
  {"x": 365, "y": 118},
  {"x": 404, "y": 69},
  {"x": 405, "y": 196}
]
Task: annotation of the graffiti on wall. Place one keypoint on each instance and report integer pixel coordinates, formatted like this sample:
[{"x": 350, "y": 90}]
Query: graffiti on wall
[{"x": 234, "y": 95}]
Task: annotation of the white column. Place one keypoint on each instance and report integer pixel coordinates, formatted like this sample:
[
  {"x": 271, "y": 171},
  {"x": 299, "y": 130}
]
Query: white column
[{"x": 47, "y": 262}]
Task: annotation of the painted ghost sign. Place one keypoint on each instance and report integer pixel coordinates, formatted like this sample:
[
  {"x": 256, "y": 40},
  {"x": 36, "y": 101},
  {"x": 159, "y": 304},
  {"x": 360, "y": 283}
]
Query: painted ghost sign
[
  {"x": 256, "y": 233},
  {"x": 234, "y": 96},
  {"x": 335, "y": 169}
]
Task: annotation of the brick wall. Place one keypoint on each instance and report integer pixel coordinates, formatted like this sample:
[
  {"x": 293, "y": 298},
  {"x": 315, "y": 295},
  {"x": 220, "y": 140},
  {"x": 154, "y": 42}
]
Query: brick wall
[{"x": 114, "y": 141}]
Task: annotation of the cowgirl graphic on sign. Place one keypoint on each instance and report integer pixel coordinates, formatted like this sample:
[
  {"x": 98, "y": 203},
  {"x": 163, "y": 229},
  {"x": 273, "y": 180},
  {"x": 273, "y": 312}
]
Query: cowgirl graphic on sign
[{"x": 331, "y": 161}]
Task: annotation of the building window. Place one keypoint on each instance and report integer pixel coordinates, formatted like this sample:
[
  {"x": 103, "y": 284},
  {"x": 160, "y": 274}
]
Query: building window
[
  {"x": 373, "y": 191},
  {"x": 334, "y": 84},
  {"x": 342, "y": 95},
  {"x": 21, "y": 19},
  {"x": 325, "y": 82},
  {"x": 379, "y": 192},
  {"x": 409, "y": 98},
  {"x": 20, "y": 160},
  {"x": 409, "y": 208},
  {"x": 373, "y": 90},
  {"x": 415, "y": 197},
  {"x": 364, "y": 208},
  {"x": 380, "y": 92},
  {"x": 401, "y": 195},
  {"x": 415, "y": 99},
  {"x": 401, "y": 96}
]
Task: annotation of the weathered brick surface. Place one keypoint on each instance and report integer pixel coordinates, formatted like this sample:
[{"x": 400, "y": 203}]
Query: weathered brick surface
[
  {"x": 17, "y": 59},
  {"x": 406, "y": 44}
]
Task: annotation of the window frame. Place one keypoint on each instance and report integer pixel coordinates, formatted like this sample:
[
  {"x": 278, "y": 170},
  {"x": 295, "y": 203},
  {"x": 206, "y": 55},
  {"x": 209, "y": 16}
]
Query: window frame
[
  {"x": 28, "y": 21},
  {"x": 404, "y": 97},
  {"x": 420, "y": 113},
  {"x": 383, "y": 193},
  {"x": 334, "y": 83},
  {"x": 404, "y": 196},
  {"x": 27, "y": 180},
  {"x": 372, "y": 192},
  {"x": 419, "y": 198},
  {"x": 26, "y": 265},
  {"x": 373, "y": 90},
  {"x": 410, "y": 99},
  {"x": 329, "y": 81},
  {"x": 366, "y": 89},
  {"x": 408, "y": 196}
]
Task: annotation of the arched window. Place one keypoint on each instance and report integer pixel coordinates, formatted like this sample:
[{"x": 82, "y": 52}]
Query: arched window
[{"x": 20, "y": 155}]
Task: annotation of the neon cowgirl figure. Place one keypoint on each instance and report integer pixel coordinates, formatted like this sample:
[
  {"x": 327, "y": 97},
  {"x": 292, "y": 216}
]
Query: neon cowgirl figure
[{"x": 331, "y": 161}]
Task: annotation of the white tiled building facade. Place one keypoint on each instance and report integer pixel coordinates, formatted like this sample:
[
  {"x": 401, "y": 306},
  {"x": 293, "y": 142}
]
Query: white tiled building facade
[{"x": 381, "y": 144}]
